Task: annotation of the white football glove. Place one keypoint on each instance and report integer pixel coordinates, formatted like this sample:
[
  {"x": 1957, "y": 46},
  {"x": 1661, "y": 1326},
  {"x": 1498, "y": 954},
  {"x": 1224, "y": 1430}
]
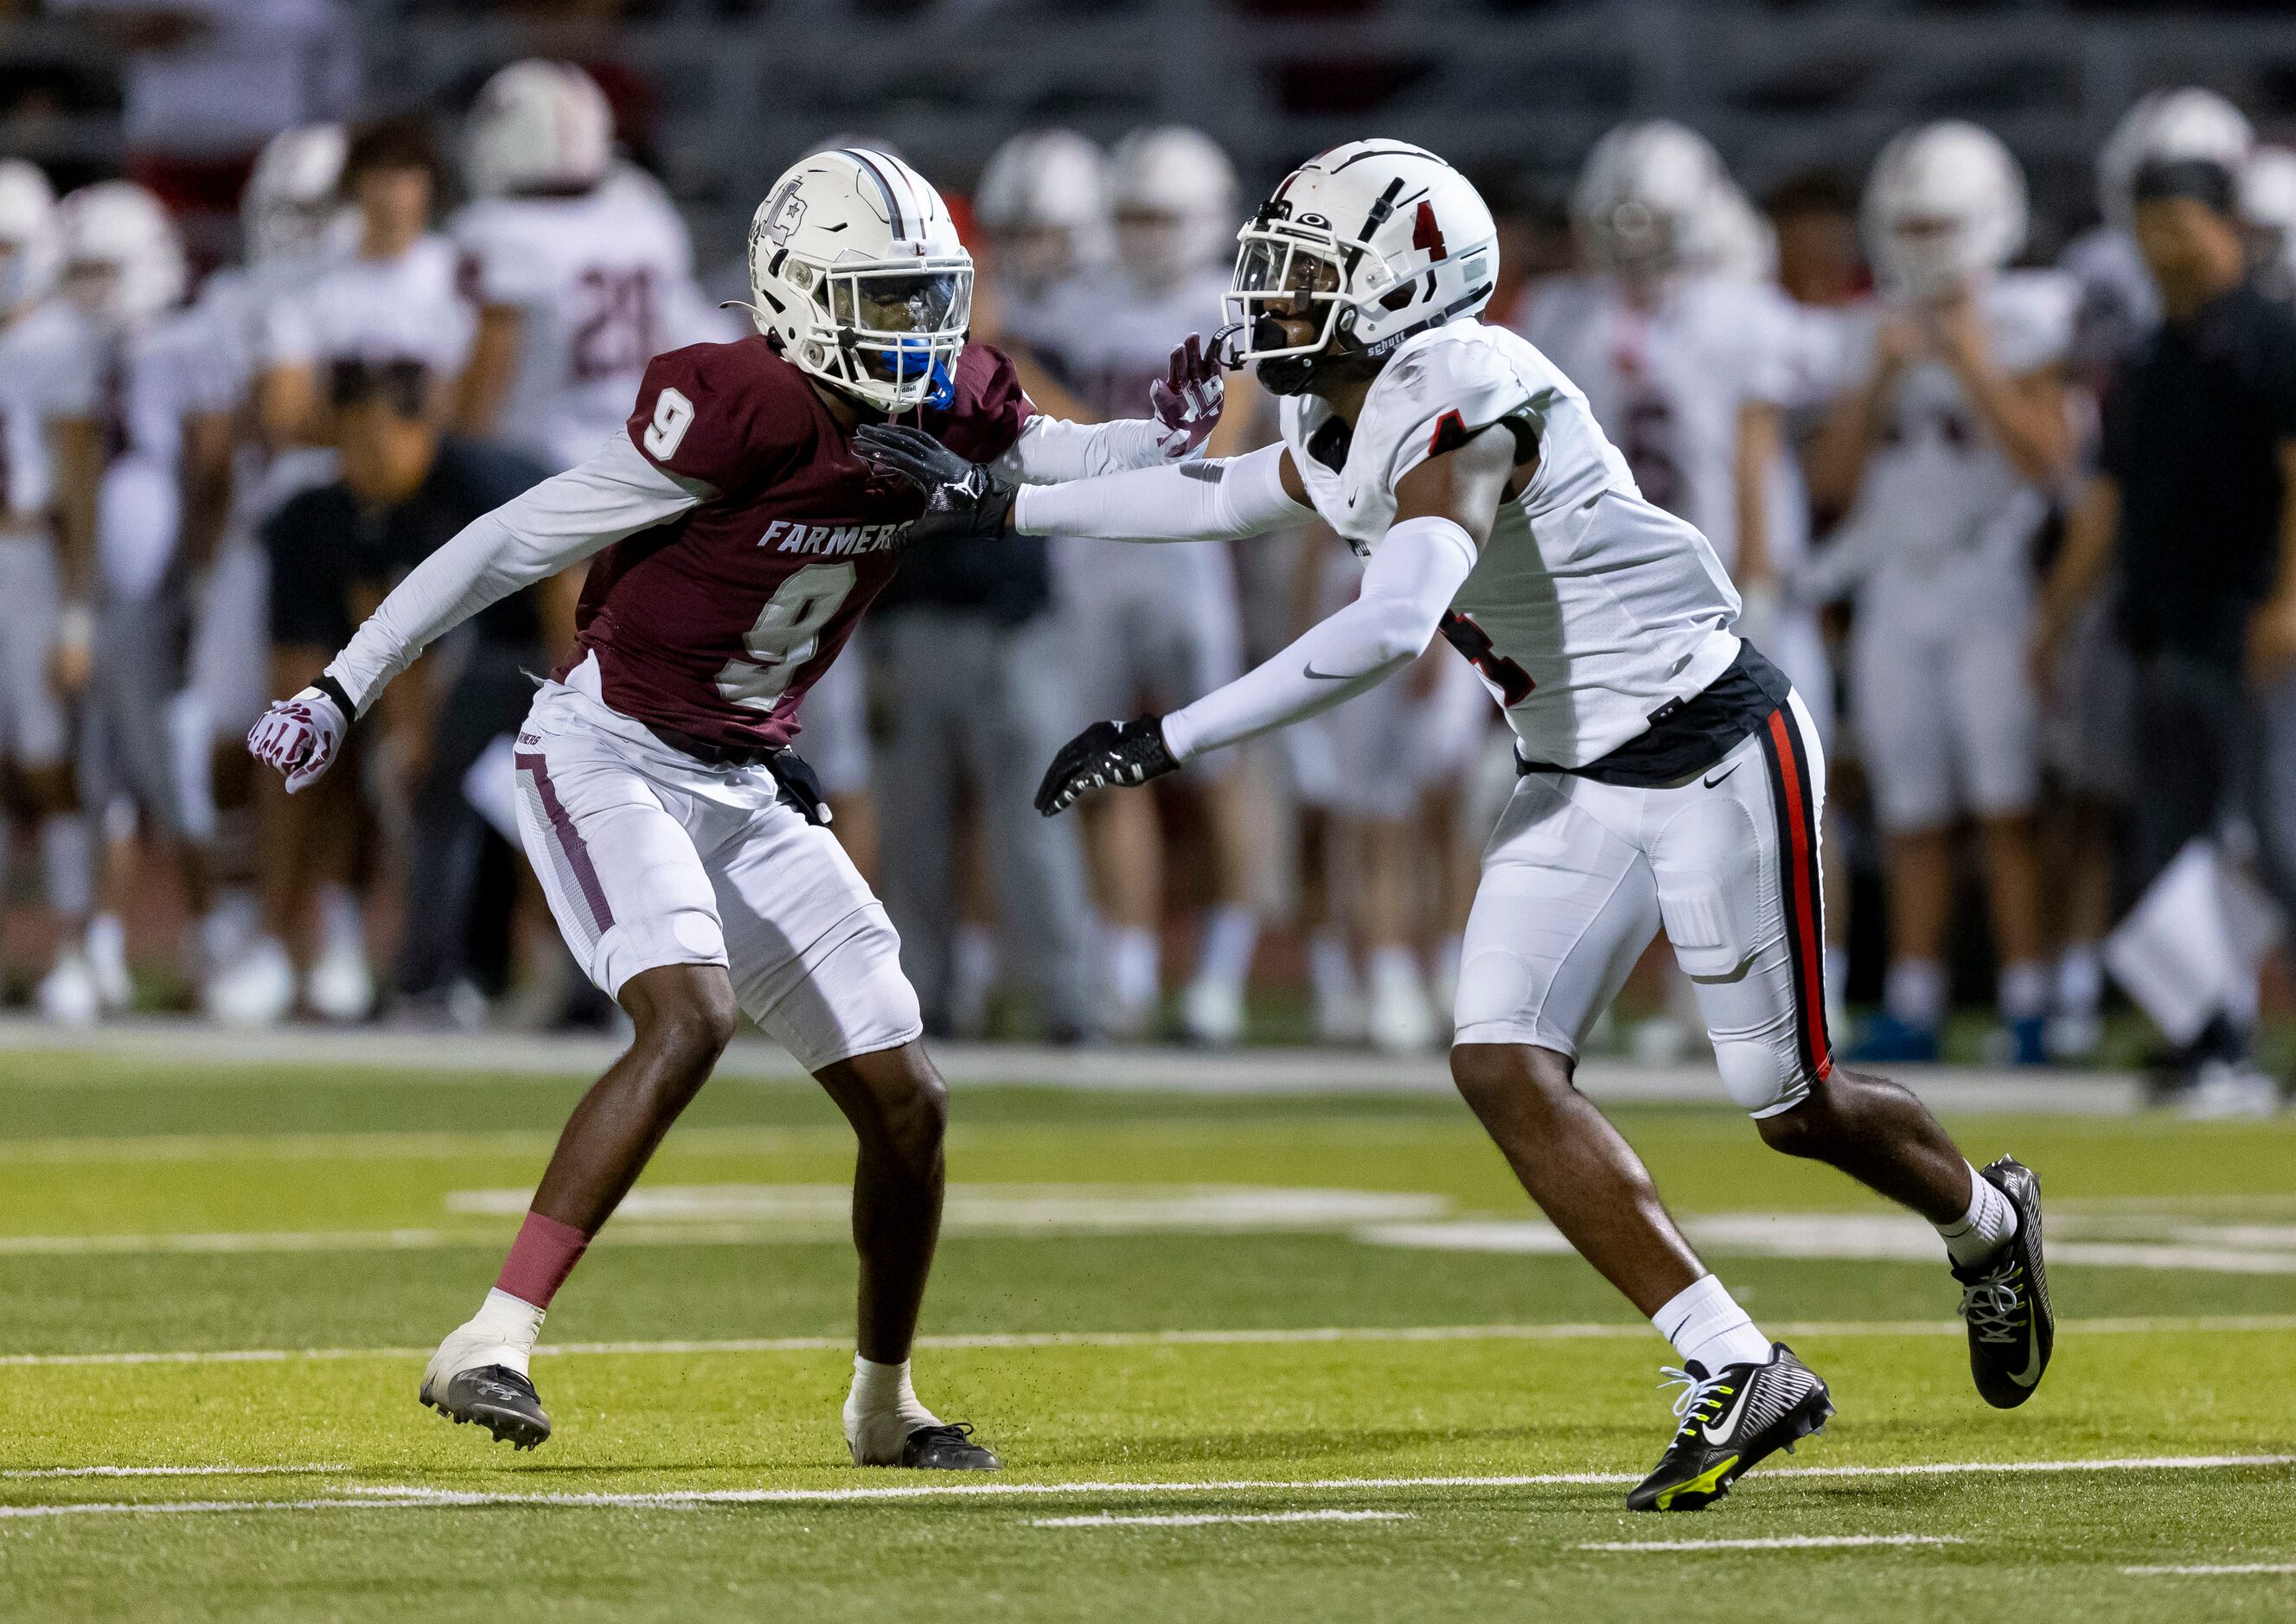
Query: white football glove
[
  {"x": 1187, "y": 403},
  {"x": 301, "y": 736}
]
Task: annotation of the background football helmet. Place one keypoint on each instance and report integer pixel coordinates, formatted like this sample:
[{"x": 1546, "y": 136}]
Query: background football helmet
[
  {"x": 857, "y": 268},
  {"x": 292, "y": 196},
  {"x": 1735, "y": 241},
  {"x": 2188, "y": 123},
  {"x": 123, "y": 255},
  {"x": 1385, "y": 238},
  {"x": 1647, "y": 195},
  {"x": 1173, "y": 193},
  {"x": 1043, "y": 200},
  {"x": 2267, "y": 211},
  {"x": 31, "y": 248},
  {"x": 538, "y": 127},
  {"x": 1944, "y": 206}
]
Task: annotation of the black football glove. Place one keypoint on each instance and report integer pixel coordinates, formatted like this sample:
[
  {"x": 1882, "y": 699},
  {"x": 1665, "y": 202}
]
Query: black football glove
[
  {"x": 1103, "y": 754},
  {"x": 964, "y": 501}
]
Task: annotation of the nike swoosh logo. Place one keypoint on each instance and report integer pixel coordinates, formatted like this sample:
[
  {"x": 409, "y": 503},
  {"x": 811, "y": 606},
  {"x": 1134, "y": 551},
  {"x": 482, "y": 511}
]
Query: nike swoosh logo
[
  {"x": 1725, "y": 773},
  {"x": 2033, "y": 1370},
  {"x": 1737, "y": 1408},
  {"x": 1312, "y": 675}
]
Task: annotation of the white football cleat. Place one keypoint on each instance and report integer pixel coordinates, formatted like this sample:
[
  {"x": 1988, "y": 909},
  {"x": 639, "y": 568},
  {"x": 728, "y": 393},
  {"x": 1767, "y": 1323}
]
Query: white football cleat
[
  {"x": 2228, "y": 1090},
  {"x": 257, "y": 990},
  {"x": 68, "y": 995},
  {"x": 1401, "y": 1021},
  {"x": 1211, "y": 1014},
  {"x": 107, "y": 962},
  {"x": 476, "y": 1376},
  {"x": 339, "y": 986}
]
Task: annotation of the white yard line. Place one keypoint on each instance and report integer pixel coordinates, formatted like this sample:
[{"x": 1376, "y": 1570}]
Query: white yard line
[
  {"x": 1107, "y": 1519},
  {"x": 2205, "y": 1569},
  {"x": 414, "y": 1497},
  {"x": 1023, "y": 1340},
  {"x": 307, "y": 1469},
  {"x": 1784, "y": 1542}
]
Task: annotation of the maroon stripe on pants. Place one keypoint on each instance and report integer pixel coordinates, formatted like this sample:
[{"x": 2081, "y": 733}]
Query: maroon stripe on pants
[
  {"x": 1798, "y": 869},
  {"x": 570, "y": 839}
]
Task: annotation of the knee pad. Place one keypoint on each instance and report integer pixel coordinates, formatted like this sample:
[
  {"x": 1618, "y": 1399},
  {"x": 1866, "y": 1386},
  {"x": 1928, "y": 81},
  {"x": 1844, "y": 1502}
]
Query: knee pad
[{"x": 1763, "y": 1073}]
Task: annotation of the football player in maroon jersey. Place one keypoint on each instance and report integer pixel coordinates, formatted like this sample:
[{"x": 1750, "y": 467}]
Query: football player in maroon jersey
[{"x": 735, "y": 538}]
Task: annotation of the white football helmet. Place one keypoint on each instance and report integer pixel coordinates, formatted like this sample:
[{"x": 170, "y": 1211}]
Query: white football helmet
[
  {"x": 1645, "y": 196},
  {"x": 1173, "y": 192},
  {"x": 1385, "y": 239},
  {"x": 123, "y": 255},
  {"x": 1044, "y": 200},
  {"x": 2268, "y": 207},
  {"x": 2168, "y": 124},
  {"x": 538, "y": 127},
  {"x": 857, "y": 269},
  {"x": 31, "y": 246},
  {"x": 293, "y": 197},
  {"x": 1736, "y": 241},
  {"x": 1944, "y": 206}
]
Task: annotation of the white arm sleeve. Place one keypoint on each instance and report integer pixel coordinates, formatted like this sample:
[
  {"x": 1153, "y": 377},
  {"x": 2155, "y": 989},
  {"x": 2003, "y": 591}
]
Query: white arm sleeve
[
  {"x": 561, "y": 522},
  {"x": 1053, "y": 451},
  {"x": 1217, "y": 500},
  {"x": 1410, "y": 581}
]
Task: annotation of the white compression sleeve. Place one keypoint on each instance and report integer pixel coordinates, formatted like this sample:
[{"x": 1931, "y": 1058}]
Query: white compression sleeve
[
  {"x": 1411, "y": 579},
  {"x": 561, "y": 522},
  {"x": 1218, "y": 500},
  {"x": 1053, "y": 451}
]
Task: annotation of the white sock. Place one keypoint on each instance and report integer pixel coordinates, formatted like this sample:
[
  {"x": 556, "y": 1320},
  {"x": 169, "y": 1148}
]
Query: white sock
[
  {"x": 1991, "y": 1219},
  {"x": 2080, "y": 979},
  {"x": 1395, "y": 968},
  {"x": 515, "y": 1322},
  {"x": 1329, "y": 972},
  {"x": 882, "y": 1411},
  {"x": 1707, "y": 1326},
  {"x": 972, "y": 975},
  {"x": 1132, "y": 973},
  {"x": 107, "y": 941},
  {"x": 67, "y": 862},
  {"x": 1915, "y": 992},
  {"x": 2024, "y": 990},
  {"x": 1230, "y": 935},
  {"x": 341, "y": 925}
]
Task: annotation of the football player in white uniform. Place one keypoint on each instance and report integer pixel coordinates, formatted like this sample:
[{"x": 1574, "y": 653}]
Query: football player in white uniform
[
  {"x": 580, "y": 278},
  {"x": 158, "y": 440},
  {"x": 293, "y": 220},
  {"x": 1163, "y": 625},
  {"x": 390, "y": 302},
  {"x": 1667, "y": 772},
  {"x": 46, "y": 372},
  {"x": 1946, "y": 453}
]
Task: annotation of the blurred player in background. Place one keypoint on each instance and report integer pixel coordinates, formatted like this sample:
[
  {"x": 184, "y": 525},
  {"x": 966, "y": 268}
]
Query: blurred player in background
[
  {"x": 1946, "y": 452},
  {"x": 389, "y": 303},
  {"x": 1157, "y": 622},
  {"x": 46, "y": 373},
  {"x": 146, "y": 494},
  {"x": 292, "y": 220}
]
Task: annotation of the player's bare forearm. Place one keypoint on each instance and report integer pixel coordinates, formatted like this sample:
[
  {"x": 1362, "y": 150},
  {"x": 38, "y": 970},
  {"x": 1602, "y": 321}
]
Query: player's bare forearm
[
  {"x": 1837, "y": 456},
  {"x": 207, "y": 486},
  {"x": 2026, "y": 416},
  {"x": 1761, "y": 434},
  {"x": 78, "y": 446},
  {"x": 2087, "y": 555},
  {"x": 487, "y": 378}
]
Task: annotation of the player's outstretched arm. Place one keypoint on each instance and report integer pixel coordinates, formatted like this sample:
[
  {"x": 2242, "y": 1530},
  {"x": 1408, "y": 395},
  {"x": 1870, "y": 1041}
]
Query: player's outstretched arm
[
  {"x": 1185, "y": 407},
  {"x": 561, "y": 522},
  {"x": 1445, "y": 508}
]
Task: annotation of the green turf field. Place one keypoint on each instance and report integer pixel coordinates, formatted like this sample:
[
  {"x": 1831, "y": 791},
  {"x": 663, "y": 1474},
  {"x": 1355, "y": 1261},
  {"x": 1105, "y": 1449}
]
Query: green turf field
[{"x": 1245, "y": 1358}]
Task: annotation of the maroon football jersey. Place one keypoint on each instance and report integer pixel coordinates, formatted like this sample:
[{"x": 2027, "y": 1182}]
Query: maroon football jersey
[{"x": 716, "y": 624}]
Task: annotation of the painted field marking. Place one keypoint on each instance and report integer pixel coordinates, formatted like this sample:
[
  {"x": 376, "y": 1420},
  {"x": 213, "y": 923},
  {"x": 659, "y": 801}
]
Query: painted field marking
[
  {"x": 1561, "y": 1332},
  {"x": 2211, "y": 1569},
  {"x": 308, "y": 1469},
  {"x": 385, "y": 1496},
  {"x": 1782, "y": 1542},
  {"x": 1108, "y": 1520}
]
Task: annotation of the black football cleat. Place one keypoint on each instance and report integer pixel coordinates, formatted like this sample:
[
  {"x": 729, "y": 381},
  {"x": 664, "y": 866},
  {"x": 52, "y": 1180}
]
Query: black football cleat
[
  {"x": 946, "y": 1447},
  {"x": 1732, "y": 1420},
  {"x": 497, "y": 1398},
  {"x": 2011, "y": 1329}
]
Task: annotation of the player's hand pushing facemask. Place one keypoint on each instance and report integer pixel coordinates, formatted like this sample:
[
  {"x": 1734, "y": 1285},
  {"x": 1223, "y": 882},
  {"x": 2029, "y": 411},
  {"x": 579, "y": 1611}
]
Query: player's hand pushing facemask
[
  {"x": 301, "y": 736},
  {"x": 964, "y": 501},
  {"x": 1105, "y": 754},
  {"x": 1188, "y": 401}
]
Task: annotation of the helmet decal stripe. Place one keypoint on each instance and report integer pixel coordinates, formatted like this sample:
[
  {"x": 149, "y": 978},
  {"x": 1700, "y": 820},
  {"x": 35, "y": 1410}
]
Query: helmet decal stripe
[{"x": 892, "y": 203}]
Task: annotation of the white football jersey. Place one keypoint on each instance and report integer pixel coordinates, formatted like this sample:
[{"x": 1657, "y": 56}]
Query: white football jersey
[
  {"x": 1590, "y": 608},
  {"x": 1938, "y": 495},
  {"x": 409, "y": 308},
  {"x": 238, "y": 302},
  {"x": 602, "y": 284},
  {"x": 1666, "y": 384},
  {"x": 149, "y": 381},
  {"x": 48, "y": 370}
]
